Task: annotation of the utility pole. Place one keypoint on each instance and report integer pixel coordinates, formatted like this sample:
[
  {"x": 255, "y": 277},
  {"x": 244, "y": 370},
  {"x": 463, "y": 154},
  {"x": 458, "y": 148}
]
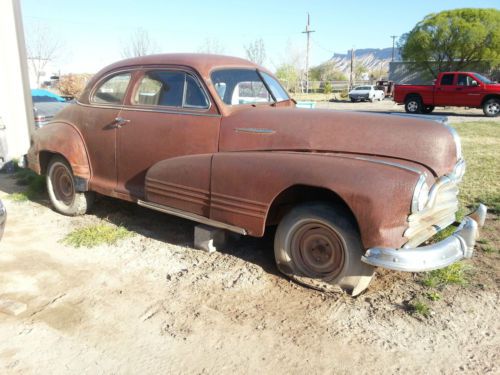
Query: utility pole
[
  {"x": 393, "y": 42},
  {"x": 351, "y": 80},
  {"x": 308, "y": 31}
]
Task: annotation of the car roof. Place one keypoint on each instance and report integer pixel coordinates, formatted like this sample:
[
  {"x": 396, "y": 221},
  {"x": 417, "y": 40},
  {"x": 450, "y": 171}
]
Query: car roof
[{"x": 201, "y": 62}]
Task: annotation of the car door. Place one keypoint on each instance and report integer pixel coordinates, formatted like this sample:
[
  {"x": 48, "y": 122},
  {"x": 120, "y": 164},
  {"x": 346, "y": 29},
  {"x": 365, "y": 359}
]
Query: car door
[
  {"x": 168, "y": 114},
  {"x": 445, "y": 90},
  {"x": 99, "y": 126},
  {"x": 467, "y": 94}
]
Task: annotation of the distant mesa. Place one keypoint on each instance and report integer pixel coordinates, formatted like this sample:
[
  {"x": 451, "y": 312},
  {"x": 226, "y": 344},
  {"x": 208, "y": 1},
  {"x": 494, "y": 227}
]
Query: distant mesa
[{"x": 370, "y": 58}]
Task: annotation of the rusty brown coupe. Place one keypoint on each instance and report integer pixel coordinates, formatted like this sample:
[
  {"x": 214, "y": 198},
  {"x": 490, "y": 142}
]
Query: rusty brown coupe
[{"x": 218, "y": 140}]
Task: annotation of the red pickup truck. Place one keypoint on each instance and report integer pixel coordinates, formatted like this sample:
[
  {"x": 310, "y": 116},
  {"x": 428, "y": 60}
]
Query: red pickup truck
[{"x": 458, "y": 89}]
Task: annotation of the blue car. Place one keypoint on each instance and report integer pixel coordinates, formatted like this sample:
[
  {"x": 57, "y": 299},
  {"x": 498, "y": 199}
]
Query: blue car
[{"x": 45, "y": 106}]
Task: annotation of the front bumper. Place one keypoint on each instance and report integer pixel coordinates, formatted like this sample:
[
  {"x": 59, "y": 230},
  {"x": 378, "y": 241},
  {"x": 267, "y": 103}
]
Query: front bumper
[{"x": 458, "y": 246}]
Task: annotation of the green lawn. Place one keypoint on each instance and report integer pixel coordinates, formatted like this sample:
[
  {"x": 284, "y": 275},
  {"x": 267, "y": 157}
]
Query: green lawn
[{"x": 481, "y": 149}]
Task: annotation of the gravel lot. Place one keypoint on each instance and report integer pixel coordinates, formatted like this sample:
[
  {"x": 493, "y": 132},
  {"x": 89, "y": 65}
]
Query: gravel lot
[
  {"x": 153, "y": 304},
  {"x": 454, "y": 114}
]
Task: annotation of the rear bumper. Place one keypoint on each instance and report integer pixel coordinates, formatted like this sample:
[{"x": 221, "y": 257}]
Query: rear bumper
[{"x": 458, "y": 246}]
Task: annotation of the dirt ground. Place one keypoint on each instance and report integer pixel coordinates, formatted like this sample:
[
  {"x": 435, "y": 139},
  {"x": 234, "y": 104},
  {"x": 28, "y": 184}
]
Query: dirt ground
[{"x": 152, "y": 304}]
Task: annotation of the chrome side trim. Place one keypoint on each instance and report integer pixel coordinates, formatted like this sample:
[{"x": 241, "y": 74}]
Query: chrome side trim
[
  {"x": 191, "y": 216},
  {"x": 392, "y": 164},
  {"x": 460, "y": 245},
  {"x": 456, "y": 138},
  {"x": 416, "y": 192},
  {"x": 254, "y": 130}
]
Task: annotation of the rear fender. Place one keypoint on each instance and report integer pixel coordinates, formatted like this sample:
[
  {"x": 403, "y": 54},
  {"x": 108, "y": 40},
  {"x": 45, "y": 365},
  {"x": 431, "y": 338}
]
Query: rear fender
[{"x": 63, "y": 139}]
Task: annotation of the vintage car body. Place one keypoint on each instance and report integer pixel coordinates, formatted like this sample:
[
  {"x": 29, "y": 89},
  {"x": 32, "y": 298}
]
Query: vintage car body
[{"x": 243, "y": 164}]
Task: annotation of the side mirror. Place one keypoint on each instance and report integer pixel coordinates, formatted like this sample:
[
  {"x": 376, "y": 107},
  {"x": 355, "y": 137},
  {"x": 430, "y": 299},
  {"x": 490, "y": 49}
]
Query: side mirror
[{"x": 474, "y": 83}]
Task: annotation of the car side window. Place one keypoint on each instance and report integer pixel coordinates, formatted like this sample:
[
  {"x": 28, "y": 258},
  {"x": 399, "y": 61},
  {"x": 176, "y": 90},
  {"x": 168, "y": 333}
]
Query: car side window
[
  {"x": 447, "y": 79},
  {"x": 171, "y": 89},
  {"x": 464, "y": 80},
  {"x": 112, "y": 91}
]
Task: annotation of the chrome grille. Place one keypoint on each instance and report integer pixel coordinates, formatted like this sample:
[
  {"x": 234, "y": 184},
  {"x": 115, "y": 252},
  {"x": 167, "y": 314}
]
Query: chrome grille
[{"x": 438, "y": 213}]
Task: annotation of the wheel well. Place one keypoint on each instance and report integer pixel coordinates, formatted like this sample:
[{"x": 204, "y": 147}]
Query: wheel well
[
  {"x": 490, "y": 96},
  {"x": 44, "y": 158},
  {"x": 408, "y": 96},
  {"x": 299, "y": 194}
]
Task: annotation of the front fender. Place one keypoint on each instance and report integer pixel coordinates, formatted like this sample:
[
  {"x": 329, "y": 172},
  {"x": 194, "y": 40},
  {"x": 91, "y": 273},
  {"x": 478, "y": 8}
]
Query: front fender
[
  {"x": 245, "y": 184},
  {"x": 64, "y": 139}
]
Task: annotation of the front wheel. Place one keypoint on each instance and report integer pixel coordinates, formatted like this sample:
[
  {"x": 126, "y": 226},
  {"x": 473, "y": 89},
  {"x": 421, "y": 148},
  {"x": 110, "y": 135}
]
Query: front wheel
[
  {"x": 491, "y": 107},
  {"x": 62, "y": 192},
  {"x": 319, "y": 245}
]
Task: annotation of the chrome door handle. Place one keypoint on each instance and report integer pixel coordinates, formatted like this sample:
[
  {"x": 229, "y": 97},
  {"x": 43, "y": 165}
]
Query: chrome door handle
[{"x": 120, "y": 121}]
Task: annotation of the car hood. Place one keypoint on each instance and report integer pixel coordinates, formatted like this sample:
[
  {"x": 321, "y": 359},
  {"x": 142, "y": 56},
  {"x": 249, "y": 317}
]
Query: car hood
[{"x": 291, "y": 129}]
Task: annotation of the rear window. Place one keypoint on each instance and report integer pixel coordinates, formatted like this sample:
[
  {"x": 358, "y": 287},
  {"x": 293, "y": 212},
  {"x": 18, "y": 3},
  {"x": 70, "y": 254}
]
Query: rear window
[
  {"x": 112, "y": 91},
  {"x": 447, "y": 79}
]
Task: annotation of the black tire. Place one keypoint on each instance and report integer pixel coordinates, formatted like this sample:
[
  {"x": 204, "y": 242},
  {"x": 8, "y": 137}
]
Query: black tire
[
  {"x": 319, "y": 245},
  {"x": 61, "y": 188},
  {"x": 491, "y": 107},
  {"x": 428, "y": 109},
  {"x": 413, "y": 104},
  {"x": 353, "y": 100}
]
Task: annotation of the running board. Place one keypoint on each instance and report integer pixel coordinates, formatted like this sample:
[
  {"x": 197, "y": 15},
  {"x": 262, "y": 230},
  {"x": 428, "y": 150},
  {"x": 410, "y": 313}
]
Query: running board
[{"x": 191, "y": 216}]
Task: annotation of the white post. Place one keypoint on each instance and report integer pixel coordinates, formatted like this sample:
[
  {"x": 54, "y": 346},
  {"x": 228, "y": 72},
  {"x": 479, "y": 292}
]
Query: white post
[{"x": 16, "y": 108}]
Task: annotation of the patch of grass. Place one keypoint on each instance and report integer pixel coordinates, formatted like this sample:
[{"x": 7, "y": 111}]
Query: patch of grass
[
  {"x": 457, "y": 273},
  {"x": 433, "y": 296},
  {"x": 418, "y": 307},
  {"x": 481, "y": 149},
  {"x": 18, "y": 197},
  {"x": 94, "y": 235},
  {"x": 35, "y": 185},
  {"x": 488, "y": 249}
]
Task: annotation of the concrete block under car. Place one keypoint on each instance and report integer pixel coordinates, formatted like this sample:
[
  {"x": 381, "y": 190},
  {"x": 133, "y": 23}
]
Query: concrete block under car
[
  {"x": 208, "y": 238},
  {"x": 11, "y": 307}
]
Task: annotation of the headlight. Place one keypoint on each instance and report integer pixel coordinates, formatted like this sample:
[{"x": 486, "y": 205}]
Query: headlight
[{"x": 420, "y": 195}]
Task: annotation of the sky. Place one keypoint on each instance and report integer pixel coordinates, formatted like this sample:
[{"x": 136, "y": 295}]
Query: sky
[{"x": 93, "y": 33}]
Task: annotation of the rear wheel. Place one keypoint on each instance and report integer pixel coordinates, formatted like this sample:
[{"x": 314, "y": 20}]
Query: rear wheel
[
  {"x": 428, "y": 109},
  {"x": 319, "y": 245},
  {"x": 491, "y": 107},
  {"x": 62, "y": 191},
  {"x": 413, "y": 104}
]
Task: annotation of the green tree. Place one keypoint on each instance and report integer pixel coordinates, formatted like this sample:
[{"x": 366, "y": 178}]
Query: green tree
[
  {"x": 327, "y": 71},
  {"x": 454, "y": 40},
  {"x": 289, "y": 76}
]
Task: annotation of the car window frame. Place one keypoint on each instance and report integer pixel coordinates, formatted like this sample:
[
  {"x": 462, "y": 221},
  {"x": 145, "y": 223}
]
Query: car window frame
[
  {"x": 453, "y": 81},
  {"x": 106, "y": 78},
  {"x": 130, "y": 103}
]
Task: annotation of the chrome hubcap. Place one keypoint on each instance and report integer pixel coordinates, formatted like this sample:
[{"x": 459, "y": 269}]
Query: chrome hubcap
[
  {"x": 493, "y": 108},
  {"x": 412, "y": 106}
]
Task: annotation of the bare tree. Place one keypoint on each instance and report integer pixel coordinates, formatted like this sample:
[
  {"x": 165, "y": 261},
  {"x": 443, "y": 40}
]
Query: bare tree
[
  {"x": 211, "y": 45},
  {"x": 41, "y": 48},
  {"x": 256, "y": 51},
  {"x": 139, "y": 44}
]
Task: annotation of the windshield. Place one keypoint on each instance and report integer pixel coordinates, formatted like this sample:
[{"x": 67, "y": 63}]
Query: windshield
[
  {"x": 245, "y": 86},
  {"x": 360, "y": 88},
  {"x": 483, "y": 78}
]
